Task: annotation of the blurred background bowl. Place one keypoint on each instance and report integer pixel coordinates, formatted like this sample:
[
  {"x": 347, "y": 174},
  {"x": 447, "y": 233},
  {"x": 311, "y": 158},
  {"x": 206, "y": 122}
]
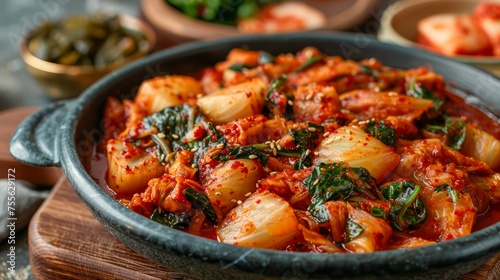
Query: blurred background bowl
[
  {"x": 172, "y": 27},
  {"x": 399, "y": 25},
  {"x": 68, "y": 81}
]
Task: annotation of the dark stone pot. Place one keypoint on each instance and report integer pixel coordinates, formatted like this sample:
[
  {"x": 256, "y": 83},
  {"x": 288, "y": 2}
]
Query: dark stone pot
[{"x": 62, "y": 134}]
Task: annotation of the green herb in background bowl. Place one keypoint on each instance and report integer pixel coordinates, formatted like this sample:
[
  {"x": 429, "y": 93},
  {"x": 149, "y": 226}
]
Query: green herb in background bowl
[{"x": 220, "y": 11}]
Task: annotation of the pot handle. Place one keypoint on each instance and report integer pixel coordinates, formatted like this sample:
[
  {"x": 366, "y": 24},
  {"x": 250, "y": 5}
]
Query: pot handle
[{"x": 35, "y": 140}]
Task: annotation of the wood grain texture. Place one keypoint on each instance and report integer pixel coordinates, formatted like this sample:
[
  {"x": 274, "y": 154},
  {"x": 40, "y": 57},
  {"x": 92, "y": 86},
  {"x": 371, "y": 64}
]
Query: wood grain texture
[
  {"x": 67, "y": 242},
  {"x": 39, "y": 176}
]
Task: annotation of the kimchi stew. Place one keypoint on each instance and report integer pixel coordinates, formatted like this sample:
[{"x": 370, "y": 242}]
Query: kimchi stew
[{"x": 303, "y": 152}]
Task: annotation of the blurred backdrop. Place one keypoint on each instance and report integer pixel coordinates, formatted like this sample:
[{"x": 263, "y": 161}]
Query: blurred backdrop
[{"x": 17, "y": 87}]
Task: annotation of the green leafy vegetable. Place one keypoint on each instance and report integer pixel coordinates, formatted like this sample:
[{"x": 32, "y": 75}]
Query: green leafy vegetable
[
  {"x": 368, "y": 70},
  {"x": 382, "y": 131},
  {"x": 279, "y": 99},
  {"x": 168, "y": 127},
  {"x": 273, "y": 86},
  {"x": 367, "y": 183},
  {"x": 304, "y": 142},
  {"x": 353, "y": 230},
  {"x": 330, "y": 182},
  {"x": 171, "y": 220},
  {"x": 201, "y": 201},
  {"x": 174, "y": 120},
  {"x": 407, "y": 209},
  {"x": 238, "y": 67},
  {"x": 453, "y": 193},
  {"x": 379, "y": 212},
  {"x": 308, "y": 63},
  {"x": 220, "y": 11},
  {"x": 455, "y": 130},
  {"x": 213, "y": 138},
  {"x": 265, "y": 57},
  {"x": 247, "y": 9},
  {"x": 239, "y": 152},
  {"x": 418, "y": 90}
]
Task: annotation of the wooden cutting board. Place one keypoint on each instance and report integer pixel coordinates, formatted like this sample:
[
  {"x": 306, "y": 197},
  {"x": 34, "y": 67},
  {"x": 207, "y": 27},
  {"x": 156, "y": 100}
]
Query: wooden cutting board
[{"x": 67, "y": 242}]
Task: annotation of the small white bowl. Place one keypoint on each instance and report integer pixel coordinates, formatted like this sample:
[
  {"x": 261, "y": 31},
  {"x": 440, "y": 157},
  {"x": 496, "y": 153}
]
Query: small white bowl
[{"x": 399, "y": 25}]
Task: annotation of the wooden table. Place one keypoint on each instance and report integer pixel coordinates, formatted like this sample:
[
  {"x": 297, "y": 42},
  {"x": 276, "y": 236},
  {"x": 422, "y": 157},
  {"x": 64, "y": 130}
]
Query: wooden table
[{"x": 67, "y": 242}]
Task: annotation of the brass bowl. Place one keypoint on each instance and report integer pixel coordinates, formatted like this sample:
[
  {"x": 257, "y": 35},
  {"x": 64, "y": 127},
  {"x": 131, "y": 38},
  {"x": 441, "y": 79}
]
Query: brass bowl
[{"x": 68, "y": 81}]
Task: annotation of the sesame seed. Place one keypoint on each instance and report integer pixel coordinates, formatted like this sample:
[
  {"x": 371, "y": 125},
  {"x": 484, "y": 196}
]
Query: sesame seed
[
  {"x": 175, "y": 136},
  {"x": 194, "y": 165},
  {"x": 161, "y": 135},
  {"x": 252, "y": 156},
  {"x": 248, "y": 194},
  {"x": 272, "y": 145},
  {"x": 290, "y": 102},
  {"x": 218, "y": 193},
  {"x": 195, "y": 149},
  {"x": 326, "y": 134},
  {"x": 239, "y": 202},
  {"x": 311, "y": 129},
  {"x": 309, "y": 96},
  {"x": 275, "y": 152},
  {"x": 308, "y": 152},
  {"x": 316, "y": 182},
  {"x": 279, "y": 147},
  {"x": 199, "y": 95},
  {"x": 376, "y": 89},
  {"x": 162, "y": 157},
  {"x": 220, "y": 146},
  {"x": 392, "y": 93},
  {"x": 233, "y": 200},
  {"x": 272, "y": 173}
]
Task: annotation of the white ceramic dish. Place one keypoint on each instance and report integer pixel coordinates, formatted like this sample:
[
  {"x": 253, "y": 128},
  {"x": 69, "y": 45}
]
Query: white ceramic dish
[{"x": 399, "y": 25}]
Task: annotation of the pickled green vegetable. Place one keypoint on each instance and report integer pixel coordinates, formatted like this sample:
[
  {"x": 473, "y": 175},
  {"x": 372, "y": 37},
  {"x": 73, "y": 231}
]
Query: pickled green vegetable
[{"x": 95, "y": 40}]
